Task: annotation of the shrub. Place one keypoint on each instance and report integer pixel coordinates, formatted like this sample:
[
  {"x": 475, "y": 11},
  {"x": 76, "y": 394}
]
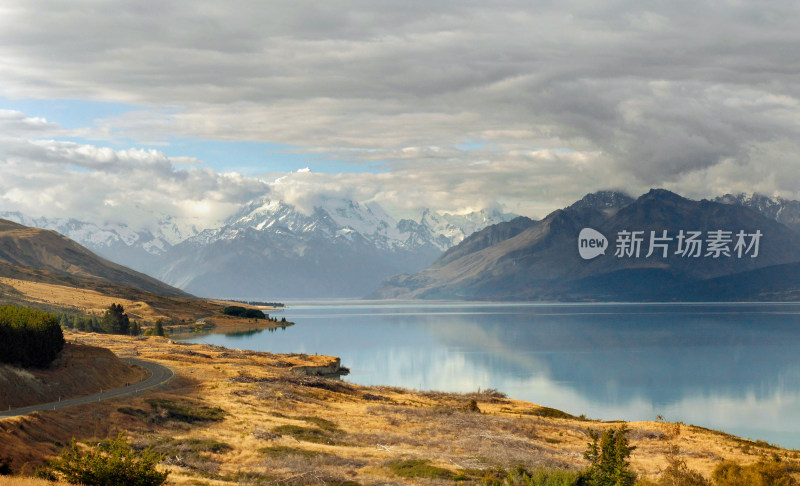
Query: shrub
[
  {"x": 186, "y": 411},
  {"x": 678, "y": 473},
  {"x": 543, "y": 477},
  {"x": 729, "y": 473},
  {"x": 609, "y": 459},
  {"x": 419, "y": 468},
  {"x": 113, "y": 463},
  {"x": 321, "y": 423},
  {"x": 307, "y": 434}
]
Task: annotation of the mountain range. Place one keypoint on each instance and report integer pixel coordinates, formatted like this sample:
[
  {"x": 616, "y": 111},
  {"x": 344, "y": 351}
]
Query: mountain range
[
  {"x": 271, "y": 249},
  {"x": 742, "y": 253},
  {"x": 343, "y": 248}
]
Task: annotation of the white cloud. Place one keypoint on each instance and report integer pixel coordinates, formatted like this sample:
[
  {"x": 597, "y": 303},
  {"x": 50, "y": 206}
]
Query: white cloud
[{"x": 42, "y": 177}]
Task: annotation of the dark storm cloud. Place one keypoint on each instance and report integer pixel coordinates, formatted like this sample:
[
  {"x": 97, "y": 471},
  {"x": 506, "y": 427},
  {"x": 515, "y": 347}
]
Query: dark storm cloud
[{"x": 640, "y": 93}]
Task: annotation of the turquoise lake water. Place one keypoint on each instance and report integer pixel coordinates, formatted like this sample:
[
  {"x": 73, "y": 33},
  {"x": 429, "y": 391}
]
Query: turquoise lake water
[{"x": 733, "y": 367}]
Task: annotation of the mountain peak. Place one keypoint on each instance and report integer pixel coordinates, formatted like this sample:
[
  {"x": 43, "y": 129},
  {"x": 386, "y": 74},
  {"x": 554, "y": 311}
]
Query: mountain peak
[
  {"x": 603, "y": 200},
  {"x": 662, "y": 194},
  {"x": 784, "y": 211}
]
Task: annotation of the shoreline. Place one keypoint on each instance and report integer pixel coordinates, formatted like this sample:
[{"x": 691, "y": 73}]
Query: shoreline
[{"x": 267, "y": 411}]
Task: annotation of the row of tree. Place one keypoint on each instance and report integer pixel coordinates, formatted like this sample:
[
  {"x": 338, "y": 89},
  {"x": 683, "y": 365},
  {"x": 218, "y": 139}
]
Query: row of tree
[
  {"x": 114, "y": 321},
  {"x": 28, "y": 337}
]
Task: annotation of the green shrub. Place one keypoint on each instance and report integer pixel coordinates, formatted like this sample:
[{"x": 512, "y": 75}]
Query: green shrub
[
  {"x": 113, "y": 463},
  {"x": 609, "y": 459},
  {"x": 543, "y": 476},
  {"x": 307, "y": 434},
  {"x": 186, "y": 411},
  {"x": 420, "y": 468},
  {"x": 320, "y": 422},
  {"x": 548, "y": 412},
  {"x": 172, "y": 447}
]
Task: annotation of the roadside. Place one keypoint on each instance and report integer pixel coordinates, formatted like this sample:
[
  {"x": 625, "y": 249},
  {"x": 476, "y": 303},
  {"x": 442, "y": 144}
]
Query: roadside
[{"x": 158, "y": 374}]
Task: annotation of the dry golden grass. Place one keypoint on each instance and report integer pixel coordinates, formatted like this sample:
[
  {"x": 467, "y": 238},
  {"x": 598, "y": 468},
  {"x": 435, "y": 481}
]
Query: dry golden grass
[
  {"x": 142, "y": 306},
  {"x": 27, "y": 481},
  {"x": 285, "y": 426},
  {"x": 82, "y": 300}
]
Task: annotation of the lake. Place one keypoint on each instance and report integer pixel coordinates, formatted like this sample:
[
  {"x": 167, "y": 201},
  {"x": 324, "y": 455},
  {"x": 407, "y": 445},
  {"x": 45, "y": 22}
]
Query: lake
[{"x": 733, "y": 367}]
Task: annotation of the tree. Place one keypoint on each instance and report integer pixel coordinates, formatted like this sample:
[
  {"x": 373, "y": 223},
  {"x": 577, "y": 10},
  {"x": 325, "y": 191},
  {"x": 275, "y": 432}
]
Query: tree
[
  {"x": 112, "y": 463},
  {"x": 115, "y": 320},
  {"x": 28, "y": 337},
  {"x": 609, "y": 459},
  {"x": 158, "y": 330}
]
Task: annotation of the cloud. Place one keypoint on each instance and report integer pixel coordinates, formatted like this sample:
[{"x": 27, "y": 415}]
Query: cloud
[
  {"x": 46, "y": 177},
  {"x": 564, "y": 99}
]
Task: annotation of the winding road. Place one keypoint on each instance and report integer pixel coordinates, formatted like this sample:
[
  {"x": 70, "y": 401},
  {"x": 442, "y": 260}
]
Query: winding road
[{"x": 159, "y": 374}]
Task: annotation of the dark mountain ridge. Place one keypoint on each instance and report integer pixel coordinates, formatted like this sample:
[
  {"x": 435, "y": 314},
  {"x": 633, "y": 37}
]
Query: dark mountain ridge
[
  {"x": 647, "y": 257},
  {"x": 24, "y": 246}
]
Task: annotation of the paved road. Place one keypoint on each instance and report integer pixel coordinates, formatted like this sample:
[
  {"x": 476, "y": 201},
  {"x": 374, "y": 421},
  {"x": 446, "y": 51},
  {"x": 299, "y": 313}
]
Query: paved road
[{"x": 158, "y": 374}]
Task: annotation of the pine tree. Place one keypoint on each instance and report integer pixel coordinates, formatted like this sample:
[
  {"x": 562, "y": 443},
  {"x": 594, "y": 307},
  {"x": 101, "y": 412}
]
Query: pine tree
[
  {"x": 609, "y": 460},
  {"x": 115, "y": 320},
  {"x": 158, "y": 330}
]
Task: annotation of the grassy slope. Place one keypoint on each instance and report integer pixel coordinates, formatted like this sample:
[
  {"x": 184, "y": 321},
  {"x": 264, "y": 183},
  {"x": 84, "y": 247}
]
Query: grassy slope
[
  {"x": 278, "y": 424},
  {"x": 79, "y": 370},
  {"x": 47, "y": 250},
  {"x": 56, "y": 292}
]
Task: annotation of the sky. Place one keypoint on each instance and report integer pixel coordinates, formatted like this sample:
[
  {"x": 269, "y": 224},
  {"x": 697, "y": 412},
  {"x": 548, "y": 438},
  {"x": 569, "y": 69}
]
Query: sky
[{"x": 119, "y": 110}]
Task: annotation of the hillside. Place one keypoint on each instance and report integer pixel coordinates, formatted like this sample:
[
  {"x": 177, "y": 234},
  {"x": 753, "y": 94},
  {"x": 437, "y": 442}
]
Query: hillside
[
  {"x": 79, "y": 370},
  {"x": 47, "y": 271},
  {"x": 542, "y": 262},
  {"x": 23, "y": 246},
  {"x": 232, "y": 417}
]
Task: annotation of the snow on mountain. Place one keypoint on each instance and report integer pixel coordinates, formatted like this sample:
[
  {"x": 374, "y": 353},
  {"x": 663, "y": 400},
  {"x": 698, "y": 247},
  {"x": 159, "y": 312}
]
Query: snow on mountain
[
  {"x": 451, "y": 229},
  {"x": 97, "y": 236},
  {"x": 784, "y": 211},
  {"x": 341, "y": 248},
  {"x": 345, "y": 218}
]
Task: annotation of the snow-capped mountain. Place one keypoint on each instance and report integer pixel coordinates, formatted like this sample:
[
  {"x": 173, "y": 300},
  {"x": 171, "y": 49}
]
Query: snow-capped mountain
[
  {"x": 784, "y": 211},
  {"x": 118, "y": 242},
  {"x": 341, "y": 248}
]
